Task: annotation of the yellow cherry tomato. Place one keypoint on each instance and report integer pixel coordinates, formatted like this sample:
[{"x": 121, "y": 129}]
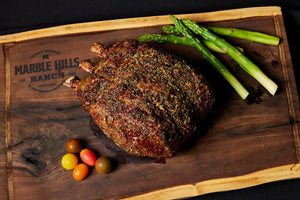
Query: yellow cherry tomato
[
  {"x": 80, "y": 172},
  {"x": 69, "y": 161}
]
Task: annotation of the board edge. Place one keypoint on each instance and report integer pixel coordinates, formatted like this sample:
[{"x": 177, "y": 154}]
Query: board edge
[
  {"x": 290, "y": 83},
  {"x": 115, "y": 24},
  {"x": 285, "y": 172},
  {"x": 3, "y": 152},
  {"x": 7, "y": 124}
]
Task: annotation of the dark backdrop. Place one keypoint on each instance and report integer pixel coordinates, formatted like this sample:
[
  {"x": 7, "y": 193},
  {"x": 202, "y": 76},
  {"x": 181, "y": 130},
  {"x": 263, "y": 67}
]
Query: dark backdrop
[{"x": 16, "y": 16}]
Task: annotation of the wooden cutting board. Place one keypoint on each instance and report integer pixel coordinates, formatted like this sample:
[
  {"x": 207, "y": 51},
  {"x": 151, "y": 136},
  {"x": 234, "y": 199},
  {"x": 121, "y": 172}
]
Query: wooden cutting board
[{"x": 240, "y": 144}]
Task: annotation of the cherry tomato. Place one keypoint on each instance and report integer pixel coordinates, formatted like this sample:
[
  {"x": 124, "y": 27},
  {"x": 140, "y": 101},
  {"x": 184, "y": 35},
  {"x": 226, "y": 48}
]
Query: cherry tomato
[
  {"x": 103, "y": 165},
  {"x": 88, "y": 157},
  {"x": 69, "y": 161},
  {"x": 74, "y": 146},
  {"x": 80, "y": 171}
]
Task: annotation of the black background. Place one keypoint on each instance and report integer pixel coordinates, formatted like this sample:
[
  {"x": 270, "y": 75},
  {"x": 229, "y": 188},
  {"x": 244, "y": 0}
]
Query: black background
[{"x": 17, "y": 16}]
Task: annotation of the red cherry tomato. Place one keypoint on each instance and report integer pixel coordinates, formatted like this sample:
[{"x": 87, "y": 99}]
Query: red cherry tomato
[
  {"x": 88, "y": 157},
  {"x": 80, "y": 171}
]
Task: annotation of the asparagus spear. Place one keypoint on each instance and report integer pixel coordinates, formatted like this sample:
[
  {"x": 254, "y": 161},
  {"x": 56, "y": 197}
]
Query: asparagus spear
[
  {"x": 170, "y": 29},
  {"x": 242, "y": 60},
  {"x": 176, "y": 40},
  {"x": 234, "y": 32},
  {"x": 239, "y": 88},
  {"x": 244, "y": 34}
]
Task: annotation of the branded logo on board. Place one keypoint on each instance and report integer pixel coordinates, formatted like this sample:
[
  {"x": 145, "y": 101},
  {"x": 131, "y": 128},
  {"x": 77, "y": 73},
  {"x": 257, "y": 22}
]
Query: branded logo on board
[{"x": 45, "y": 73}]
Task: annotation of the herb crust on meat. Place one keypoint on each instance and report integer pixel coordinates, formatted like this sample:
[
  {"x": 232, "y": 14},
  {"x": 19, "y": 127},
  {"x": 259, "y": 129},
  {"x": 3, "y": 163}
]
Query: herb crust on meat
[{"x": 146, "y": 100}]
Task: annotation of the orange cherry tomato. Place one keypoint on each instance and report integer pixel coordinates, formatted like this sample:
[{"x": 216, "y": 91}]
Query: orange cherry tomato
[
  {"x": 80, "y": 171},
  {"x": 88, "y": 157},
  {"x": 74, "y": 146}
]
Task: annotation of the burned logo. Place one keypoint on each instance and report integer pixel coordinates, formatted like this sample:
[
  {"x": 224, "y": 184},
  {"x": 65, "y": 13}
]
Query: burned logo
[{"x": 43, "y": 72}]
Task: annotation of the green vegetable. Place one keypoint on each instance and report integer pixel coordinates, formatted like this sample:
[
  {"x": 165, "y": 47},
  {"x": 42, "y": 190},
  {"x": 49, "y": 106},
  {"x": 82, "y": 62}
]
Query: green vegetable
[
  {"x": 164, "y": 38},
  {"x": 176, "y": 40},
  {"x": 211, "y": 58},
  {"x": 248, "y": 35},
  {"x": 234, "y": 32},
  {"x": 242, "y": 60},
  {"x": 170, "y": 29},
  {"x": 213, "y": 47}
]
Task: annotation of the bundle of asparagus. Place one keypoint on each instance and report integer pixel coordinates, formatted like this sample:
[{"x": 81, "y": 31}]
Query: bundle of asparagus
[{"x": 213, "y": 42}]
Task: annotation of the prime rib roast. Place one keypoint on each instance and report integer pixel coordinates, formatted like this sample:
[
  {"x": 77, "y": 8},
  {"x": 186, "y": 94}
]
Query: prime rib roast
[{"x": 146, "y": 100}]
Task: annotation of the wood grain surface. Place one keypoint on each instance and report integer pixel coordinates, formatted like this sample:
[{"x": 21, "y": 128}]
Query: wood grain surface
[{"x": 240, "y": 145}]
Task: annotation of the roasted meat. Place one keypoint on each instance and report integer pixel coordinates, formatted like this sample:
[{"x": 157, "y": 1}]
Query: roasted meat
[{"x": 147, "y": 101}]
